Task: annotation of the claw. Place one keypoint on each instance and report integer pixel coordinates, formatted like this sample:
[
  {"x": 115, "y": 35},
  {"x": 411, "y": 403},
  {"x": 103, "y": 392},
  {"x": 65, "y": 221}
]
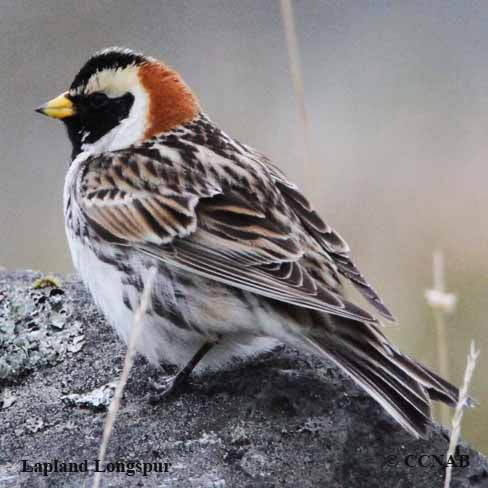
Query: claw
[
  {"x": 172, "y": 383},
  {"x": 164, "y": 388}
]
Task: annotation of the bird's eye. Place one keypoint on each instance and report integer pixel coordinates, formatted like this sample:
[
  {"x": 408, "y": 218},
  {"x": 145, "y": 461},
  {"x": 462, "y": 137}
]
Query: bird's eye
[{"x": 98, "y": 100}]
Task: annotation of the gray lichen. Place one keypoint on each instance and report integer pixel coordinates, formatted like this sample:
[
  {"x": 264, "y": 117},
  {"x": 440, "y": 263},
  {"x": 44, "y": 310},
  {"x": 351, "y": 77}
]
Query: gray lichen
[
  {"x": 97, "y": 399},
  {"x": 35, "y": 329}
]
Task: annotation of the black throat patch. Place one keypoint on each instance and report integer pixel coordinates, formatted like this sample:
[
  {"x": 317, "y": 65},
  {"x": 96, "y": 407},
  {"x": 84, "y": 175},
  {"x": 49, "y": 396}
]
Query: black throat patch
[{"x": 91, "y": 123}]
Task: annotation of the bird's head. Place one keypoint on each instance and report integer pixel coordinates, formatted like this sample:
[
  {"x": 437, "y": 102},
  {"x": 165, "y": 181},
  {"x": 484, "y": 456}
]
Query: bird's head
[{"x": 120, "y": 98}]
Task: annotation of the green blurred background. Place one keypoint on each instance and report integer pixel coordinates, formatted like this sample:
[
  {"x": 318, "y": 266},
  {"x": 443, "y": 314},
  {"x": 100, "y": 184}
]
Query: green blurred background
[{"x": 397, "y": 96}]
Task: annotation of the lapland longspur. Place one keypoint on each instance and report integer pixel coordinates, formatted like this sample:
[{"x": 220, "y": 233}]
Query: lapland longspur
[{"x": 243, "y": 260}]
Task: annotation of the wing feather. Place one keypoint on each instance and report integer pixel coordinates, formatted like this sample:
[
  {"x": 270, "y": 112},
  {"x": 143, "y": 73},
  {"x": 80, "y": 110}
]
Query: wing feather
[
  {"x": 267, "y": 243},
  {"x": 336, "y": 247},
  {"x": 191, "y": 257}
]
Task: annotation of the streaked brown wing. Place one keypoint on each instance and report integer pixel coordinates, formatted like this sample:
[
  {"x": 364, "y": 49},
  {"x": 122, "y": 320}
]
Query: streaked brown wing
[
  {"x": 335, "y": 246},
  {"x": 227, "y": 234},
  {"x": 132, "y": 199}
]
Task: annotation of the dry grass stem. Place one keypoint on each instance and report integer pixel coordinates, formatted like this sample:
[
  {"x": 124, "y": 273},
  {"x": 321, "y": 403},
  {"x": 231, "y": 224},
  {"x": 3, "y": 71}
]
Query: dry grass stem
[
  {"x": 442, "y": 304},
  {"x": 463, "y": 401},
  {"x": 128, "y": 362},
  {"x": 296, "y": 75}
]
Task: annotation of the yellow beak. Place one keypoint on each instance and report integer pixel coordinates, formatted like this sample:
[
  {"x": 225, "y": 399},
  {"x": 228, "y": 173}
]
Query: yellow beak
[{"x": 58, "y": 108}]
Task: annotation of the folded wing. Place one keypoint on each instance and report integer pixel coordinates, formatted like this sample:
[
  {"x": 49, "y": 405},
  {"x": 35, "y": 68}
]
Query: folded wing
[{"x": 259, "y": 235}]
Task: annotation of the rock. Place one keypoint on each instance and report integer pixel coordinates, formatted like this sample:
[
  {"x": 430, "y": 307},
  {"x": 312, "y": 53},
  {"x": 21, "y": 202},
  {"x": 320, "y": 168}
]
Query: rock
[
  {"x": 286, "y": 420},
  {"x": 98, "y": 399}
]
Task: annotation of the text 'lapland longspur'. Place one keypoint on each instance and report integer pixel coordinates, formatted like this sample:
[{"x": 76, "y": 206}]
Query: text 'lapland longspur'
[{"x": 243, "y": 261}]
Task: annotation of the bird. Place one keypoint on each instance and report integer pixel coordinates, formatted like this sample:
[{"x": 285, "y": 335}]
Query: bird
[{"x": 242, "y": 260}]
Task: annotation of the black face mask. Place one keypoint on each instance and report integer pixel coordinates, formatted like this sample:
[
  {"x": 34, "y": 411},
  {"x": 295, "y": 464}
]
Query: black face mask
[{"x": 96, "y": 115}]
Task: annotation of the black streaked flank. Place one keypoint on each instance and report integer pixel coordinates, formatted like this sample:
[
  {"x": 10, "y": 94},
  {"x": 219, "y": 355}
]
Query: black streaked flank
[
  {"x": 126, "y": 301},
  {"x": 169, "y": 311}
]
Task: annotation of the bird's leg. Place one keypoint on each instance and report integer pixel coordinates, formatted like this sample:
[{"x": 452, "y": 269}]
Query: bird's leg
[{"x": 172, "y": 383}]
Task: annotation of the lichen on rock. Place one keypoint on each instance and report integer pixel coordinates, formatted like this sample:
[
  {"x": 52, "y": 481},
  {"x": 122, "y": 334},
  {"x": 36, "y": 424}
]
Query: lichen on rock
[{"x": 36, "y": 329}]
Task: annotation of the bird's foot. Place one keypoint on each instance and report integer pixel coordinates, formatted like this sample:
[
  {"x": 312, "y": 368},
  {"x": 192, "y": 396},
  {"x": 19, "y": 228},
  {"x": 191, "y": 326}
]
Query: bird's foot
[
  {"x": 172, "y": 384},
  {"x": 165, "y": 388}
]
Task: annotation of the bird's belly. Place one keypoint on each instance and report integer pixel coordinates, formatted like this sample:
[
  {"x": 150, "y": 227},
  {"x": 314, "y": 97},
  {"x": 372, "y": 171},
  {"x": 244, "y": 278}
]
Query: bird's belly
[
  {"x": 185, "y": 310},
  {"x": 106, "y": 285}
]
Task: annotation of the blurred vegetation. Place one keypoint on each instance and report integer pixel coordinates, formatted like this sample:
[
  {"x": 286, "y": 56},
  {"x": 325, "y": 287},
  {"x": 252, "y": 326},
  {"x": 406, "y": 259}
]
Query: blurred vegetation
[{"x": 396, "y": 96}]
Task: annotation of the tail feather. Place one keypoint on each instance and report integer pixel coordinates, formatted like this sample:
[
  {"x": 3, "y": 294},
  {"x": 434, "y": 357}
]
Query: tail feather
[
  {"x": 411, "y": 413},
  {"x": 438, "y": 388},
  {"x": 403, "y": 387},
  {"x": 388, "y": 370}
]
